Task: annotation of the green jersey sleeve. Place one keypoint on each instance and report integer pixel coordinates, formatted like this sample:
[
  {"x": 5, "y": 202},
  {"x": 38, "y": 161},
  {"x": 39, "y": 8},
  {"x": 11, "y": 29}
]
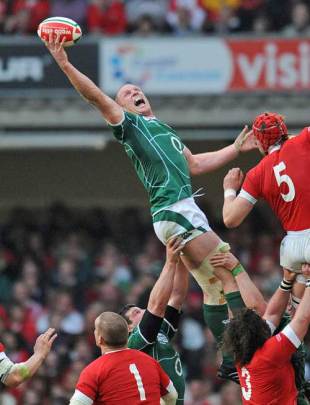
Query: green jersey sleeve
[
  {"x": 137, "y": 341},
  {"x": 120, "y": 130}
]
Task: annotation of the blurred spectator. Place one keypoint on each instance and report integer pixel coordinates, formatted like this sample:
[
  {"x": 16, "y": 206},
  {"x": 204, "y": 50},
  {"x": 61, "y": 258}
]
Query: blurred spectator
[
  {"x": 149, "y": 10},
  {"x": 62, "y": 315},
  {"x": 145, "y": 26},
  {"x": 106, "y": 17},
  {"x": 74, "y": 9},
  {"x": 185, "y": 16},
  {"x": 198, "y": 393},
  {"x": 300, "y": 20},
  {"x": 25, "y": 16}
]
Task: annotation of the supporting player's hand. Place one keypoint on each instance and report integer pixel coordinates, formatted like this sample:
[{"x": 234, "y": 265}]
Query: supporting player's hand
[
  {"x": 44, "y": 343},
  {"x": 245, "y": 141},
  {"x": 305, "y": 269},
  {"x": 173, "y": 249},
  {"x": 289, "y": 275},
  {"x": 55, "y": 46},
  {"x": 233, "y": 179},
  {"x": 226, "y": 260}
]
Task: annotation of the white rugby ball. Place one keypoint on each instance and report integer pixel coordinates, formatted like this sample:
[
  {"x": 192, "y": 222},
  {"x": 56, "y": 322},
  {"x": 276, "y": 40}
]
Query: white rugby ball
[{"x": 62, "y": 26}]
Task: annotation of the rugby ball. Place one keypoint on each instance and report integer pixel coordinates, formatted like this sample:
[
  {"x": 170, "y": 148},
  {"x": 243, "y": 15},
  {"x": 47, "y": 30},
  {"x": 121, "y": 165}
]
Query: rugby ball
[{"x": 62, "y": 26}]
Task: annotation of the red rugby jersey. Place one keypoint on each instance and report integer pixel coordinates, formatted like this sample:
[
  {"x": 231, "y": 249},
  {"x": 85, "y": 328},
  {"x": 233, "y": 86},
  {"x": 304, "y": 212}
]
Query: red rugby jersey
[
  {"x": 282, "y": 179},
  {"x": 269, "y": 378},
  {"x": 124, "y": 377}
]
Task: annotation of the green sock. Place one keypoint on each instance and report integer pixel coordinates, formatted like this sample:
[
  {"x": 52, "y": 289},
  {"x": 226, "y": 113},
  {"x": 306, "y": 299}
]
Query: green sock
[
  {"x": 234, "y": 301},
  {"x": 215, "y": 317}
]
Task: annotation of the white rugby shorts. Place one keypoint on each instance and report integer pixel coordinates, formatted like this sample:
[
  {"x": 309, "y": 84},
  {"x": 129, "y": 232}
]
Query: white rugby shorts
[
  {"x": 183, "y": 218},
  {"x": 295, "y": 250}
]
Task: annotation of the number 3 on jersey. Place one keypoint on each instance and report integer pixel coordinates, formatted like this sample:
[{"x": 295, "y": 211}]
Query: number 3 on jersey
[
  {"x": 133, "y": 369},
  {"x": 246, "y": 392},
  {"x": 284, "y": 178}
]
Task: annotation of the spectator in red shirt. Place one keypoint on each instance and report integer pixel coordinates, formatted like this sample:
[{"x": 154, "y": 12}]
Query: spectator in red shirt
[
  {"x": 26, "y": 16},
  {"x": 106, "y": 17}
]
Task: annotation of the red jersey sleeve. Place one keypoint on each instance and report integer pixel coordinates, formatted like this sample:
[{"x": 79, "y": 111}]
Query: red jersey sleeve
[
  {"x": 87, "y": 383},
  {"x": 279, "y": 349},
  {"x": 1, "y": 348},
  {"x": 252, "y": 185}
]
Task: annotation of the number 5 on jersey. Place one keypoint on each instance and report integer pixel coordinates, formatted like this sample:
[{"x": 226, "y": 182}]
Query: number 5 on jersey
[{"x": 284, "y": 178}]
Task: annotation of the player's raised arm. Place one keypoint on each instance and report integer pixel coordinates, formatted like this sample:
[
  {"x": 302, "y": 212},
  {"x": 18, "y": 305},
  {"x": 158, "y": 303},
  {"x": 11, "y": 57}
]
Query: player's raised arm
[
  {"x": 110, "y": 110},
  {"x": 162, "y": 289},
  {"x": 279, "y": 301},
  {"x": 20, "y": 372},
  {"x": 209, "y": 161},
  {"x": 250, "y": 294},
  {"x": 301, "y": 320}
]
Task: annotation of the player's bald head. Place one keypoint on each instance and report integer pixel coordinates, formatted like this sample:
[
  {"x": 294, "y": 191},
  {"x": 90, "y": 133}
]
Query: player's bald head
[{"x": 112, "y": 328}]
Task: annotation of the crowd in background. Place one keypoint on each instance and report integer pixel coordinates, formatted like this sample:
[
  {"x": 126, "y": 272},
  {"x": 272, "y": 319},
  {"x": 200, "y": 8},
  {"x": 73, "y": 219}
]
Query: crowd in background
[
  {"x": 151, "y": 17},
  {"x": 61, "y": 267}
]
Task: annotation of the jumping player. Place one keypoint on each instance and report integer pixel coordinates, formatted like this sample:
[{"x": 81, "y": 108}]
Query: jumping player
[
  {"x": 164, "y": 166},
  {"x": 121, "y": 375},
  {"x": 14, "y": 374},
  {"x": 152, "y": 329},
  {"x": 279, "y": 178}
]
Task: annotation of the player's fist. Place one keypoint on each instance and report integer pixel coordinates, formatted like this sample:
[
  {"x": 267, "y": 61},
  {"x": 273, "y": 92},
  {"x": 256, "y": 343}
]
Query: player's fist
[{"x": 233, "y": 179}]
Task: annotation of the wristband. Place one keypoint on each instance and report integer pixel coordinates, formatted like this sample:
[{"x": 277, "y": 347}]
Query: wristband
[
  {"x": 286, "y": 285},
  {"x": 230, "y": 192},
  {"x": 237, "y": 270},
  {"x": 308, "y": 282}
]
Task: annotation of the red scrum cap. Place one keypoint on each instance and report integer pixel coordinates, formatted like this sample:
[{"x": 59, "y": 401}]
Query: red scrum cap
[{"x": 269, "y": 128}]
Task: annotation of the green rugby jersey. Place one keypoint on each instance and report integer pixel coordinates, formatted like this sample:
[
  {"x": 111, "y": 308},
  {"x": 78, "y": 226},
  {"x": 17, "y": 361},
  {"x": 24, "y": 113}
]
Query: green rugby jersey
[
  {"x": 162, "y": 350},
  {"x": 156, "y": 152}
]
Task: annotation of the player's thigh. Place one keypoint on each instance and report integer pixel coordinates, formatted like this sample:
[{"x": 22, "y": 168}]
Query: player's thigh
[{"x": 196, "y": 250}]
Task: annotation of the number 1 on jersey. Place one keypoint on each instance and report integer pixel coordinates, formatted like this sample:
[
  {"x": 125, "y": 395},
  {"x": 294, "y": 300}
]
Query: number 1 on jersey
[
  {"x": 284, "y": 178},
  {"x": 133, "y": 369}
]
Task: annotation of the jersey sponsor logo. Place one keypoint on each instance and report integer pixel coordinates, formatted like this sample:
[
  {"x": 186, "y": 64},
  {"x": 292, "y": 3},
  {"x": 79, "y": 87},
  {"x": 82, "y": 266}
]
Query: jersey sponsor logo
[
  {"x": 162, "y": 338},
  {"x": 186, "y": 235}
]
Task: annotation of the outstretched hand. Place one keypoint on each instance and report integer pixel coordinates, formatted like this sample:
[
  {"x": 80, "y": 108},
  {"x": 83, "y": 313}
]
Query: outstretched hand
[
  {"x": 245, "y": 141},
  {"x": 173, "y": 249},
  {"x": 44, "y": 342},
  {"x": 56, "y": 48}
]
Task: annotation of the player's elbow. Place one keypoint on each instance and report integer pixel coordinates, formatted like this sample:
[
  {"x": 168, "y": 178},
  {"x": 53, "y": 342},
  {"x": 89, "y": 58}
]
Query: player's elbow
[
  {"x": 13, "y": 379},
  {"x": 194, "y": 166},
  {"x": 230, "y": 221}
]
